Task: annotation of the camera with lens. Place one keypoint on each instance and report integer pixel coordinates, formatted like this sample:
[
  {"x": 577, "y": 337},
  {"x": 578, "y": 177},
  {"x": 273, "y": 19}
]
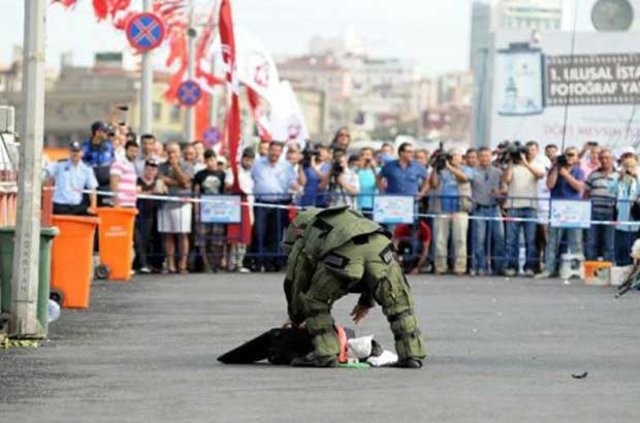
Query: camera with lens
[
  {"x": 336, "y": 169},
  {"x": 439, "y": 159},
  {"x": 307, "y": 156},
  {"x": 511, "y": 152},
  {"x": 562, "y": 161}
]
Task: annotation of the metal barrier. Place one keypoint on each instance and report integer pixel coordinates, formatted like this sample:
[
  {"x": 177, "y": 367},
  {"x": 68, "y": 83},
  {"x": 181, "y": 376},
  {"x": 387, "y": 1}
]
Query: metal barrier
[{"x": 227, "y": 248}]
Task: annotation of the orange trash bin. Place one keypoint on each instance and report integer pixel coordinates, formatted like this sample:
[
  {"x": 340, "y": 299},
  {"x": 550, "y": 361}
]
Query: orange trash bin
[
  {"x": 72, "y": 259},
  {"x": 116, "y": 240}
]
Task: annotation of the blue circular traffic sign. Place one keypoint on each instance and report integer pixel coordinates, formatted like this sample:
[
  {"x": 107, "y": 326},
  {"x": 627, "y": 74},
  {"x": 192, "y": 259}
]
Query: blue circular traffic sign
[
  {"x": 212, "y": 136},
  {"x": 189, "y": 92},
  {"x": 145, "y": 31}
]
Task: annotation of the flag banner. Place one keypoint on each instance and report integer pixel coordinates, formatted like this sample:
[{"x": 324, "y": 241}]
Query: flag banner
[{"x": 287, "y": 120}]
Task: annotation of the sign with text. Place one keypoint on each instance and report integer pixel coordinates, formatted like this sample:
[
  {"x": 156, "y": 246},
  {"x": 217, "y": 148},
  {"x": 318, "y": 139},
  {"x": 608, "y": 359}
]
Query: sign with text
[
  {"x": 220, "y": 209},
  {"x": 593, "y": 79},
  {"x": 393, "y": 209},
  {"x": 570, "y": 214}
]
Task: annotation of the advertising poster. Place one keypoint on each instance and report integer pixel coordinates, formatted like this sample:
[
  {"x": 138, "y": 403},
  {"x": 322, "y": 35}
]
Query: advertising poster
[
  {"x": 590, "y": 89},
  {"x": 519, "y": 82}
]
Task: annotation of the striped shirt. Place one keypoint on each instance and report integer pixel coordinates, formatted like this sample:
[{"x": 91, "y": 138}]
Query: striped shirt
[
  {"x": 603, "y": 190},
  {"x": 126, "y": 190}
]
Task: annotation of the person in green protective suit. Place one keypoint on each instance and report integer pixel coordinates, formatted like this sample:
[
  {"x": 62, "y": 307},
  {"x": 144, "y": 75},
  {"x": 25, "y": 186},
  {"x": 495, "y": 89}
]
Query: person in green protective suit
[{"x": 333, "y": 252}]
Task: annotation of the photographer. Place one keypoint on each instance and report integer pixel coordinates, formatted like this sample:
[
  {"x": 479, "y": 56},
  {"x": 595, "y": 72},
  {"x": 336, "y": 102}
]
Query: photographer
[
  {"x": 315, "y": 167},
  {"x": 453, "y": 203},
  {"x": 566, "y": 182},
  {"x": 521, "y": 180},
  {"x": 343, "y": 182}
]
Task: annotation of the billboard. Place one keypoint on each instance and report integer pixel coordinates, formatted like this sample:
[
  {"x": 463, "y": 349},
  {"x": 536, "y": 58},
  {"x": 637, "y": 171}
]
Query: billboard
[
  {"x": 595, "y": 90},
  {"x": 518, "y": 76}
]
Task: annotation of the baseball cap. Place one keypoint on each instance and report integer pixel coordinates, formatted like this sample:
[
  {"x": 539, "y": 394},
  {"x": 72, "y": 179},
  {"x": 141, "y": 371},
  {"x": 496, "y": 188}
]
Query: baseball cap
[
  {"x": 74, "y": 146},
  {"x": 99, "y": 125},
  {"x": 151, "y": 162}
]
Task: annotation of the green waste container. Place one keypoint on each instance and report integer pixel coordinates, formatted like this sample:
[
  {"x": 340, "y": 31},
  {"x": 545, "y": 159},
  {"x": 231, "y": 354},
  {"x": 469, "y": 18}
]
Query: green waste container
[{"x": 44, "y": 273}]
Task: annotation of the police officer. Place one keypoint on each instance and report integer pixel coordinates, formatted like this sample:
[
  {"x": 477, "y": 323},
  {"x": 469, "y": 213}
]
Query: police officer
[
  {"x": 98, "y": 153},
  {"x": 336, "y": 251},
  {"x": 71, "y": 177}
]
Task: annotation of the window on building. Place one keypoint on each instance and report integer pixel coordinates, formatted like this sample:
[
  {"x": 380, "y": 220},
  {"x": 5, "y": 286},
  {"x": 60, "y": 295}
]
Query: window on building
[
  {"x": 175, "y": 114},
  {"x": 157, "y": 111}
]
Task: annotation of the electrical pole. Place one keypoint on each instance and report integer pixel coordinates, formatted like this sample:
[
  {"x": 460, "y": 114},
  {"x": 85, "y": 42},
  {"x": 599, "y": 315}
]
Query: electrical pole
[
  {"x": 26, "y": 257},
  {"x": 146, "y": 91},
  {"x": 191, "y": 61}
]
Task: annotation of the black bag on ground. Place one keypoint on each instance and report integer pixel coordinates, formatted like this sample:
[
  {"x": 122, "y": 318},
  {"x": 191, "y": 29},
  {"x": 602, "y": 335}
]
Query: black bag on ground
[{"x": 278, "y": 345}]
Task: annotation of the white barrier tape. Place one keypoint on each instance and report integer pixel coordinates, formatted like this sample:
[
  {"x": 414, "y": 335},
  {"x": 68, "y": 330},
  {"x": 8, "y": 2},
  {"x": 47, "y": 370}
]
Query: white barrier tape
[
  {"x": 450, "y": 216},
  {"x": 540, "y": 220},
  {"x": 194, "y": 200}
]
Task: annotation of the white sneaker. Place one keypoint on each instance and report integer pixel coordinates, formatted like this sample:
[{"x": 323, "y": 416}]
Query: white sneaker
[
  {"x": 146, "y": 270},
  {"x": 543, "y": 275},
  {"x": 244, "y": 270},
  {"x": 529, "y": 273},
  {"x": 510, "y": 272}
]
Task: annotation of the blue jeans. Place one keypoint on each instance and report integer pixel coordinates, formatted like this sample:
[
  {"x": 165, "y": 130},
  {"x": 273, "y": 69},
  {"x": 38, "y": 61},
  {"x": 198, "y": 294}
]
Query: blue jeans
[
  {"x": 624, "y": 242},
  {"x": 601, "y": 238},
  {"x": 513, "y": 238},
  {"x": 487, "y": 236},
  {"x": 574, "y": 240}
]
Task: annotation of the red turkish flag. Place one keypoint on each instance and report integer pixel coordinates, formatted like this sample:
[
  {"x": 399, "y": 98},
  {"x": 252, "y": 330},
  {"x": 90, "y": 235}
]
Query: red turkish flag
[{"x": 227, "y": 38}]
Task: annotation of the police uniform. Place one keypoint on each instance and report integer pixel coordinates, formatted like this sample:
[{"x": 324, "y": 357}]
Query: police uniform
[
  {"x": 336, "y": 251},
  {"x": 70, "y": 181}
]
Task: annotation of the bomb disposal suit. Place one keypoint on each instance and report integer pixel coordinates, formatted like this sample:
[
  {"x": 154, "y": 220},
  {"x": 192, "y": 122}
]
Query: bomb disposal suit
[{"x": 336, "y": 251}]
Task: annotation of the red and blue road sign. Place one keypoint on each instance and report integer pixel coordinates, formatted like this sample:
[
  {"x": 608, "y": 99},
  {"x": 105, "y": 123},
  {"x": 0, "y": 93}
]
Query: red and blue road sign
[
  {"x": 212, "y": 136},
  {"x": 189, "y": 92},
  {"x": 145, "y": 31}
]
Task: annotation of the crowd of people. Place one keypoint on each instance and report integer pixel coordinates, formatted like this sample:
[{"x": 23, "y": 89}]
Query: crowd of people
[{"x": 480, "y": 207}]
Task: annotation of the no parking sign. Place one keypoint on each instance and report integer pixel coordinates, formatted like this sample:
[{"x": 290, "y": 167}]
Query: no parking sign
[
  {"x": 145, "y": 31},
  {"x": 189, "y": 93}
]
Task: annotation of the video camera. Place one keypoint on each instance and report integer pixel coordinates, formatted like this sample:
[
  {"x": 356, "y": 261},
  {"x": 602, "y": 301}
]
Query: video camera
[
  {"x": 336, "y": 168},
  {"x": 511, "y": 152},
  {"x": 439, "y": 158},
  {"x": 308, "y": 154}
]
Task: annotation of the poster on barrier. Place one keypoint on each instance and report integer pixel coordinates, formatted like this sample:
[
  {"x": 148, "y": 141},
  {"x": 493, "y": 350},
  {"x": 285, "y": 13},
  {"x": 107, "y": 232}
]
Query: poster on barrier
[
  {"x": 393, "y": 209},
  {"x": 220, "y": 209},
  {"x": 570, "y": 214}
]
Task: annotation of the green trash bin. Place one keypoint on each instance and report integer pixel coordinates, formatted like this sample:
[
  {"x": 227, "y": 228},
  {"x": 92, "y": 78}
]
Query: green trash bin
[{"x": 44, "y": 273}]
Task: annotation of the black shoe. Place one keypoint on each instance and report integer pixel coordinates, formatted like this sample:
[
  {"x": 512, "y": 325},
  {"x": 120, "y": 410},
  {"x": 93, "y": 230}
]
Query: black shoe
[
  {"x": 409, "y": 363},
  {"x": 312, "y": 360}
]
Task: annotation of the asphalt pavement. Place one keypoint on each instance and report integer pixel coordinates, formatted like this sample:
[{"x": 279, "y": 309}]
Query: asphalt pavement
[{"x": 501, "y": 350}]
